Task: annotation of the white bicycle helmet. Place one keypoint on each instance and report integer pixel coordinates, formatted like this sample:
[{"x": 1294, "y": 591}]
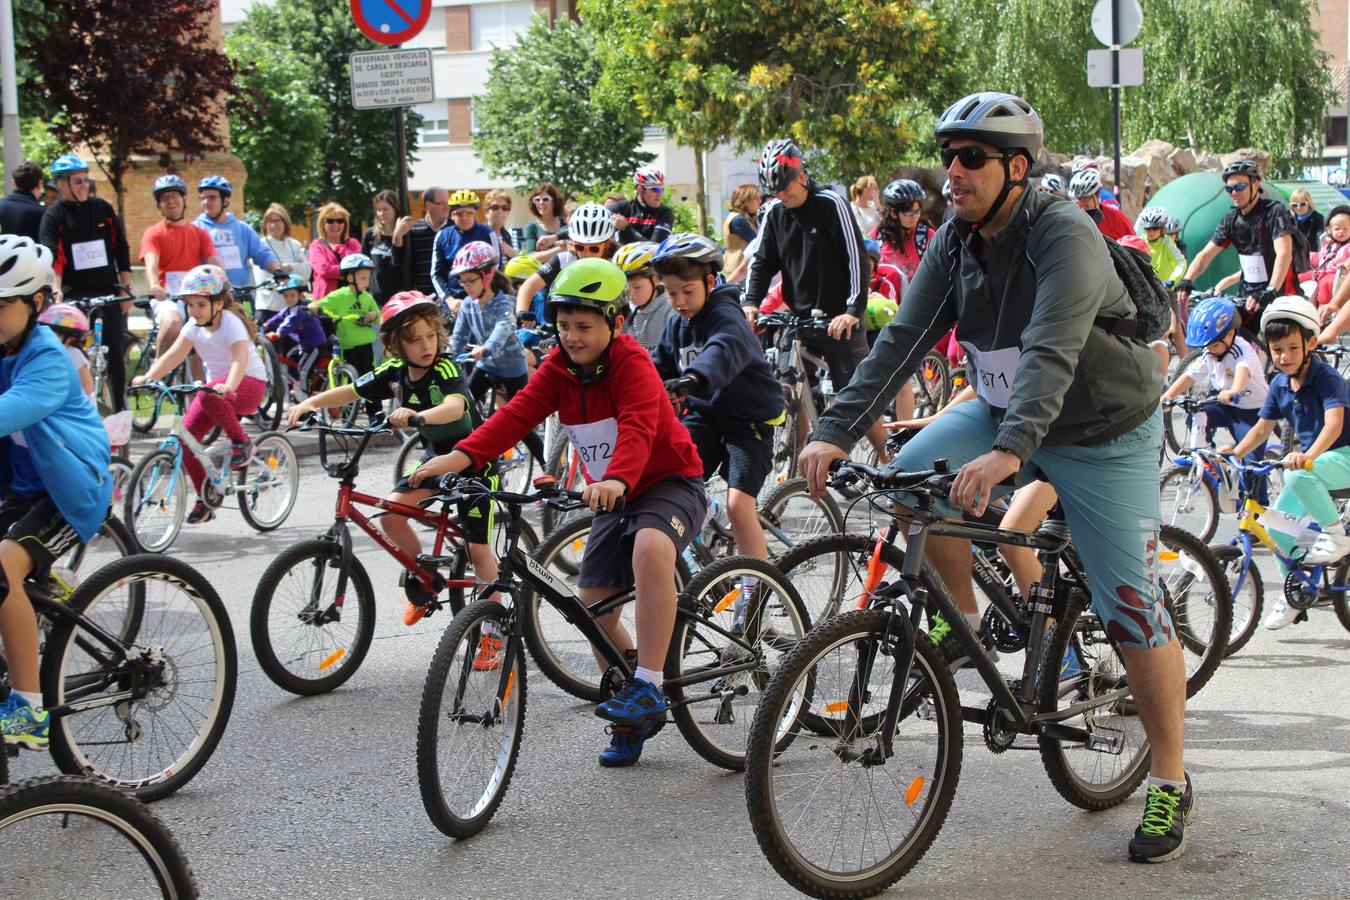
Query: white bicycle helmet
[
  {"x": 1085, "y": 183},
  {"x": 648, "y": 177},
  {"x": 1153, "y": 217},
  {"x": 25, "y": 266},
  {"x": 1052, "y": 183},
  {"x": 591, "y": 223},
  {"x": 1292, "y": 309}
]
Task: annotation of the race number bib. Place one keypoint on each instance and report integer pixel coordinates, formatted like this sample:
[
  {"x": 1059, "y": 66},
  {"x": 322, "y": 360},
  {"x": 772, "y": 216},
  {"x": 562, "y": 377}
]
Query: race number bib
[
  {"x": 994, "y": 373},
  {"x": 1254, "y": 268},
  {"x": 88, "y": 255},
  {"x": 595, "y": 444},
  {"x": 687, "y": 357},
  {"x": 173, "y": 281},
  {"x": 229, "y": 255}
]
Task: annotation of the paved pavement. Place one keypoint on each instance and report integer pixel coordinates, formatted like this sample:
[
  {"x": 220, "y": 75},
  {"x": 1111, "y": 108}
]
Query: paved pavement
[{"x": 318, "y": 797}]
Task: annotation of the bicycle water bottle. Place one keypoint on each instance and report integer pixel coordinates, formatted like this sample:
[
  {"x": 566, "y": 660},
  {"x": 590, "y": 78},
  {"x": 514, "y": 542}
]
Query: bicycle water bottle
[
  {"x": 1199, "y": 422},
  {"x": 98, "y": 332}
]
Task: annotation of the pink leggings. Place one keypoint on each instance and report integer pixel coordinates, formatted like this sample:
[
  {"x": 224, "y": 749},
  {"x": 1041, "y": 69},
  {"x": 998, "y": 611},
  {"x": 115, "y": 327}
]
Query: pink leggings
[{"x": 210, "y": 409}]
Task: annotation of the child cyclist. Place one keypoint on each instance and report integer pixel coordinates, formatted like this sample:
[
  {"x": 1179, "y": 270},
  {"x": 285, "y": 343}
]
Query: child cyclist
[
  {"x": 1313, "y": 397},
  {"x": 709, "y": 355},
  {"x": 71, "y": 326},
  {"x": 427, "y": 383},
  {"x": 221, "y": 334},
  {"x": 53, "y": 471},
  {"x": 352, "y": 306},
  {"x": 610, "y": 400},
  {"x": 648, "y": 304},
  {"x": 299, "y": 335}
]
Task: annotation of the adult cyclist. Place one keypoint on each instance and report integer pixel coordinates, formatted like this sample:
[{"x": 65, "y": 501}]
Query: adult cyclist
[
  {"x": 237, "y": 244},
  {"x": 1262, "y": 233},
  {"x": 903, "y": 236},
  {"x": 645, "y": 217},
  {"x": 1024, "y": 278},
  {"x": 1085, "y": 188},
  {"x": 171, "y": 248}
]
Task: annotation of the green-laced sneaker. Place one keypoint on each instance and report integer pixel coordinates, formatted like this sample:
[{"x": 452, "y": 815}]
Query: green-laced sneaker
[
  {"x": 946, "y": 643},
  {"x": 21, "y": 724},
  {"x": 1162, "y": 834}
]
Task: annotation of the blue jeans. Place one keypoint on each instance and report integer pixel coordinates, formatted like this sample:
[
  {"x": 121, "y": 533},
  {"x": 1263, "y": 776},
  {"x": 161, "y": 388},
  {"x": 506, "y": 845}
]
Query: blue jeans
[{"x": 1109, "y": 493}]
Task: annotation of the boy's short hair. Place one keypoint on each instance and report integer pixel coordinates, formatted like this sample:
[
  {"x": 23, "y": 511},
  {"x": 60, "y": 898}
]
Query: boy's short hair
[
  {"x": 392, "y": 340},
  {"x": 688, "y": 269},
  {"x": 27, "y": 175},
  {"x": 1282, "y": 328}
]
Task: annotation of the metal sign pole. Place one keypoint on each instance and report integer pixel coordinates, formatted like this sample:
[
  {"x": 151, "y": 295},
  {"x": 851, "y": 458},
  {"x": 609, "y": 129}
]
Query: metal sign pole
[
  {"x": 401, "y": 149},
  {"x": 1115, "y": 84}
]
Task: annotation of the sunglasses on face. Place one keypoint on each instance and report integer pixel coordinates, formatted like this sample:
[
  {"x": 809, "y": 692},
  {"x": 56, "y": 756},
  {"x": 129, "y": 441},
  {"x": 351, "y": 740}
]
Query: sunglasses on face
[
  {"x": 972, "y": 157},
  {"x": 80, "y": 179},
  {"x": 588, "y": 249},
  {"x": 335, "y": 221},
  {"x": 1236, "y": 188},
  {"x": 499, "y": 208},
  {"x": 654, "y": 190}
]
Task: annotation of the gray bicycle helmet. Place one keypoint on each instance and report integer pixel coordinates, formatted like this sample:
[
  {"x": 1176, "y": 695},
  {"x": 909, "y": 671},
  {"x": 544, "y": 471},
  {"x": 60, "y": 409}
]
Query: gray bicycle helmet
[
  {"x": 1004, "y": 120},
  {"x": 1172, "y": 225},
  {"x": 901, "y": 192},
  {"x": 1052, "y": 184},
  {"x": 1086, "y": 183},
  {"x": 1242, "y": 167},
  {"x": 1153, "y": 217}
]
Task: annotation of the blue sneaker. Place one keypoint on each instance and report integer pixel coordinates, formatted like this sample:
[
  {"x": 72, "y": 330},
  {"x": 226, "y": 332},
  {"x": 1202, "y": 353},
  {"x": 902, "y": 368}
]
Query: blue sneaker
[
  {"x": 21, "y": 724},
  {"x": 638, "y": 702},
  {"x": 625, "y": 745},
  {"x": 1071, "y": 666}
]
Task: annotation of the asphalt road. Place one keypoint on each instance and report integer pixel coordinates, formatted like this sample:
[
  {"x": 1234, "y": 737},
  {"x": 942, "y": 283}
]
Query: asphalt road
[{"x": 318, "y": 797}]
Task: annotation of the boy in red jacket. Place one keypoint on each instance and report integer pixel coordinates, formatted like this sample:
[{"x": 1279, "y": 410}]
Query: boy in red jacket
[{"x": 611, "y": 401}]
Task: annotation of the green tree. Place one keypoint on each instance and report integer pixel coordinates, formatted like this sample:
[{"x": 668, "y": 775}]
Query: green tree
[
  {"x": 541, "y": 118},
  {"x": 357, "y": 146},
  {"x": 276, "y": 121}
]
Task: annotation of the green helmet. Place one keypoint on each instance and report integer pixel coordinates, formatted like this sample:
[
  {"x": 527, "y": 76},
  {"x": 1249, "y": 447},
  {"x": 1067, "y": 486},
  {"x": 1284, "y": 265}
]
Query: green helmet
[
  {"x": 880, "y": 311},
  {"x": 590, "y": 283}
]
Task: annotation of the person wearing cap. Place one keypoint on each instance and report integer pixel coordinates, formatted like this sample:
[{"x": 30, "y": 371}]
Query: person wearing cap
[
  {"x": 1029, "y": 283},
  {"x": 645, "y": 217},
  {"x": 236, "y": 243},
  {"x": 91, "y": 257},
  {"x": 171, "y": 248}
]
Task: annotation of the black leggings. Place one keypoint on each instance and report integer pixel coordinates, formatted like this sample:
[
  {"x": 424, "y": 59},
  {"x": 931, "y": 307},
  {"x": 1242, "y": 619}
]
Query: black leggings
[
  {"x": 482, "y": 381},
  {"x": 362, "y": 359}
]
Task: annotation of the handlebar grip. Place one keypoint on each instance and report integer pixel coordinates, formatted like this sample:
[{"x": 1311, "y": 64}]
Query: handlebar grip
[{"x": 416, "y": 421}]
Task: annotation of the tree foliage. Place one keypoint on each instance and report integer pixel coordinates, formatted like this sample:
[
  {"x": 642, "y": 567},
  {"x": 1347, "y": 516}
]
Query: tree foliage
[
  {"x": 134, "y": 79},
  {"x": 541, "y": 117},
  {"x": 356, "y": 155},
  {"x": 276, "y": 121}
]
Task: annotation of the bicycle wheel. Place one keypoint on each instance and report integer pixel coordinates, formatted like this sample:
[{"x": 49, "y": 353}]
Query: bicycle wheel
[
  {"x": 144, "y": 404},
  {"x": 714, "y": 714},
  {"x": 1195, "y": 590},
  {"x": 1189, "y": 501},
  {"x": 147, "y": 718},
  {"x": 409, "y": 456},
  {"x": 517, "y": 469},
  {"x": 1080, "y": 666},
  {"x": 156, "y": 501},
  {"x": 121, "y": 470},
  {"x": 470, "y": 723},
  {"x": 832, "y": 821},
  {"x": 560, "y": 462},
  {"x": 268, "y": 486},
  {"x": 1339, "y": 600},
  {"x": 932, "y": 384},
  {"x": 342, "y": 375},
  {"x": 459, "y": 563},
  {"x": 61, "y": 835},
  {"x": 307, "y": 638},
  {"x": 268, "y": 416},
  {"x": 1174, "y": 417},
  {"x": 829, "y": 572},
  {"x": 1248, "y": 600},
  {"x": 785, "y": 442},
  {"x": 560, "y": 651},
  {"x": 790, "y": 517},
  {"x": 113, "y": 541}
]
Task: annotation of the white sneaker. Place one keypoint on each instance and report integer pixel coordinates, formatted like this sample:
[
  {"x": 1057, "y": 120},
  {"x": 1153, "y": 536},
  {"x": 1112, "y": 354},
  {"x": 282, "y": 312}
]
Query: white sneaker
[
  {"x": 1328, "y": 548},
  {"x": 1282, "y": 615}
]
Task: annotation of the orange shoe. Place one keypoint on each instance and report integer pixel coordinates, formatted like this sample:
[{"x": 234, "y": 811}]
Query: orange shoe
[
  {"x": 489, "y": 655},
  {"x": 414, "y": 613}
]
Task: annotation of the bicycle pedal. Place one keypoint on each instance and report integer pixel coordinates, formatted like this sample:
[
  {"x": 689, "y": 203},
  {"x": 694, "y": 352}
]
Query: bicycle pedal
[{"x": 1105, "y": 740}]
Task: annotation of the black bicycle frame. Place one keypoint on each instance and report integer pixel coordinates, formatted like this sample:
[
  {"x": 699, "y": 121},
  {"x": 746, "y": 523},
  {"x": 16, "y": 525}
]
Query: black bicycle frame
[{"x": 109, "y": 663}]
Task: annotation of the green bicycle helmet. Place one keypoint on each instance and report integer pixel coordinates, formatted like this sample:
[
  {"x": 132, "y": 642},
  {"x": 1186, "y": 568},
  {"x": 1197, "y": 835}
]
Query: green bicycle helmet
[{"x": 590, "y": 283}]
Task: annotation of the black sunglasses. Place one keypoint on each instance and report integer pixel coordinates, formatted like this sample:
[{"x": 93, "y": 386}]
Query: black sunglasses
[
  {"x": 971, "y": 157},
  {"x": 1236, "y": 188}
]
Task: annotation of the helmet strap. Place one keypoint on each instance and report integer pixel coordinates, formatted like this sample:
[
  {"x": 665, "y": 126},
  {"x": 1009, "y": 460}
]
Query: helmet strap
[{"x": 1008, "y": 185}]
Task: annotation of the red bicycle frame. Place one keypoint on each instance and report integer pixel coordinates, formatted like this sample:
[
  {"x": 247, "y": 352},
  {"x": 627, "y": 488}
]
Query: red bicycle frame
[{"x": 347, "y": 499}]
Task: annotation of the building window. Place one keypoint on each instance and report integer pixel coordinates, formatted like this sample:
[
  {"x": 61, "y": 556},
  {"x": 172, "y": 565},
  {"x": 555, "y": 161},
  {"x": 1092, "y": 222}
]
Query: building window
[
  {"x": 496, "y": 24},
  {"x": 434, "y": 131},
  {"x": 1335, "y": 131}
]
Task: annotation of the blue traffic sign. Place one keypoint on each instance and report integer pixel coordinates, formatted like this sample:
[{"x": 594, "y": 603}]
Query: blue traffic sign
[{"x": 390, "y": 21}]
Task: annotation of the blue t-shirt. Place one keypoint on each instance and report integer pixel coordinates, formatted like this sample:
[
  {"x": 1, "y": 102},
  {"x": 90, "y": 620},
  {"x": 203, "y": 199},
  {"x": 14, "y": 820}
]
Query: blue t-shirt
[{"x": 1322, "y": 390}]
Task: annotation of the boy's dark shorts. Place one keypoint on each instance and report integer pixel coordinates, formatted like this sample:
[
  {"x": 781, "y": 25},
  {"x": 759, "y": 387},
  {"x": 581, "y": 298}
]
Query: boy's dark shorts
[
  {"x": 39, "y": 528},
  {"x": 475, "y": 518},
  {"x": 742, "y": 451},
  {"x": 674, "y": 506}
]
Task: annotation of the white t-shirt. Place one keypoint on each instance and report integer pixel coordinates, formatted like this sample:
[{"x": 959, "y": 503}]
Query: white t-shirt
[
  {"x": 1218, "y": 373},
  {"x": 214, "y": 347}
]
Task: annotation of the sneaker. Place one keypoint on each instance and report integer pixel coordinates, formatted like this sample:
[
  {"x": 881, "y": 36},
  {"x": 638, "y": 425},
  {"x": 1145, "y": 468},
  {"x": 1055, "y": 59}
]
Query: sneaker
[
  {"x": 625, "y": 745},
  {"x": 638, "y": 702},
  {"x": 1328, "y": 548},
  {"x": 414, "y": 612},
  {"x": 241, "y": 454},
  {"x": 1281, "y": 615},
  {"x": 200, "y": 513},
  {"x": 21, "y": 724},
  {"x": 948, "y": 647},
  {"x": 490, "y": 654},
  {"x": 1162, "y": 834}
]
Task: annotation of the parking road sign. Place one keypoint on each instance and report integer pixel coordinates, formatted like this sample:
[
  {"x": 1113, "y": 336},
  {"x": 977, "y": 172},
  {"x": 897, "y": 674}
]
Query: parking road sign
[{"x": 390, "y": 21}]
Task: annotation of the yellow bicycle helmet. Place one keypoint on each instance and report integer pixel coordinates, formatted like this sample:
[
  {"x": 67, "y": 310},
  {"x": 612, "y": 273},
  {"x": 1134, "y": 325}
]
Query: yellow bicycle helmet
[
  {"x": 636, "y": 259},
  {"x": 520, "y": 267},
  {"x": 463, "y": 198}
]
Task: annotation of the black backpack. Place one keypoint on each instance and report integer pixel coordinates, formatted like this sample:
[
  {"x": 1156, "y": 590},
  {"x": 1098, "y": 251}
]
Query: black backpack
[{"x": 1152, "y": 303}]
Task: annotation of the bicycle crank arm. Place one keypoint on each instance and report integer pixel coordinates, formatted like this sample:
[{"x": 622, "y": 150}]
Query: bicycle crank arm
[
  {"x": 1069, "y": 712},
  {"x": 1111, "y": 741}
]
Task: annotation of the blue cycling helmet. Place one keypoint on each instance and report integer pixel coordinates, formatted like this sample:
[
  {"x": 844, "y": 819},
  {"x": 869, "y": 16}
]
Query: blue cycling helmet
[
  {"x": 873, "y": 249},
  {"x": 215, "y": 182},
  {"x": 1211, "y": 320},
  {"x": 689, "y": 245},
  {"x": 68, "y": 163},
  {"x": 292, "y": 283},
  {"x": 169, "y": 182}
]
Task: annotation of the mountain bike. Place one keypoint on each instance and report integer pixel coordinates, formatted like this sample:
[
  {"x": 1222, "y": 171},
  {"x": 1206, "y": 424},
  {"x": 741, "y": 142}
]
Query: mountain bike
[
  {"x": 855, "y": 750},
  {"x": 156, "y": 501},
  {"x": 63, "y": 833},
  {"x": 472, "y": 717},
  {"x": 330, "y": 370},
  {"x": 313, "y": 613}
]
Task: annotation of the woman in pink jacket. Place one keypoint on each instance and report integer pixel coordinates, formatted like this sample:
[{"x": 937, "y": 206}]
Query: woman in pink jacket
[{"x": 326, "y": 251}]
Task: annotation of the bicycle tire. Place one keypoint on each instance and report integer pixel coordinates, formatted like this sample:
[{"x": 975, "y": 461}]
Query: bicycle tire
[
  {"x": 1075, "y": 632},
  {"x": 774, "y": 513},
  {"x": 453, "y": 661},
  {"x": 336, "y": 652},
  {"x": 67, "y": 573},
  {"x": 155, "y": 472},
  {"x": 411, "y": 448},
  {"x": 786, "y": 440},
  {"x": 1339, "y": 601},
  {"x": 1204, "y": 639},
  {"x": 1247, "y": 609},
  {"x": 1188, "y": 500},
  {"x": 162, "y": 775},
  {"x": 932, "y": 383},
  {"x": 275, "y": 466},
  {"x": 557, "y": 464},
  {"x": 66, "y": 795},
  {"x": 343, "y": 375},
  {"x": 142, "y": 418},
  {"x": 121, "y": 470},
  {"x": 928, "y": 795},
  {"x": 569, "y": 664},
  {"x": 268, "y": 416},
  {"x": 1174, "y": 417}
]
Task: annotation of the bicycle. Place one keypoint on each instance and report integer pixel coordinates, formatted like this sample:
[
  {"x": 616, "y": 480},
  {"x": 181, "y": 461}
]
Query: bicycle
[
  {"x": 106, "y": 394},
  {"x": 710, "y": 671},
  {"x": 311, "y": 629},
  {"x": 268, "y": 416},
  {"x": 883, "y": 697},
  {"x": 1305, "y": 587},
  {"x": 328, "y": 372},
  {"x": 1190, "y": 487},
  {"x": 63, "y": 831},
  {"x": 156, "y": 500},
  {"x": 138, "y": 673}
]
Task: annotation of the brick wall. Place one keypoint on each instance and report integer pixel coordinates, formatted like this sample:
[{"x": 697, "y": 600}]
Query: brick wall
[{"x": 458, "y": 36}]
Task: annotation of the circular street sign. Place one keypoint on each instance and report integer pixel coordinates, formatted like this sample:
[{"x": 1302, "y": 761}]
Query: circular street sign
[
  {"x": 390, "y": 21},
  {"x": 1131, "y": 20}
]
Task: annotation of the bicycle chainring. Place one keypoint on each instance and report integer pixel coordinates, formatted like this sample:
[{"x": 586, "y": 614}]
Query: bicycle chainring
[
  {"x": 211, "y": 495},
  {"x": 999, "y": 630},
  {"x": 1296, "y": 591},
  {"x": 997, "y": 736}
]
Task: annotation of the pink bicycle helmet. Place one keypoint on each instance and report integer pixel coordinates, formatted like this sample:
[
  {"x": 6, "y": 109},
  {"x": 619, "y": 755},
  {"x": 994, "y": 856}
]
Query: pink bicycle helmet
[
  {"x": 65, "y": 319},
  {"x": 396, "y": 309},
  {"x": 203, "y": 281},
  {"x": 475, "y": 256}
]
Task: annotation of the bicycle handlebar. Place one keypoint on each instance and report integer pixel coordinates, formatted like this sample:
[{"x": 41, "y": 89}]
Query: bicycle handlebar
[
  {"x": 454, "y": 488},
  {"x": 845, "y": 472},
  {"x": 1192, "y": 404},
  {"x": 789, "y": 320}
]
